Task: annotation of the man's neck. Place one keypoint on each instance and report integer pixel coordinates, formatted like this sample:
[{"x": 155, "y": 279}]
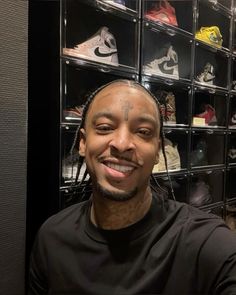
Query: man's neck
[{"x": 112, "y": 215}]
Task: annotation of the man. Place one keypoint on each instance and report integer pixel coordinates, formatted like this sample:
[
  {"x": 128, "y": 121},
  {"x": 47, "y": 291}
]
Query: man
[{"x": 127, "y": 238}]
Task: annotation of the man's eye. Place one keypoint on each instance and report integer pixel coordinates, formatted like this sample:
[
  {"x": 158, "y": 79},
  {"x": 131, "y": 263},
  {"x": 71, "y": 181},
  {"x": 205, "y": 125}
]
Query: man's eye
[
  {"x": 145, "y": 132},
  {"x": 103, "y": 128}
]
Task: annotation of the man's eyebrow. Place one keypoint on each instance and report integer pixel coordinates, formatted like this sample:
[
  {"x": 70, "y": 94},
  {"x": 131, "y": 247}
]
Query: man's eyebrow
[
  {"x": 141, "y": 119},
  {"x": 147, "y": 118},
  {"x": 104, "y": 114}
]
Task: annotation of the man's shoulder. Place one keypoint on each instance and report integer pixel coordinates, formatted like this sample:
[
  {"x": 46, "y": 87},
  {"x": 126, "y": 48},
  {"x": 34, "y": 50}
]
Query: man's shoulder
[
  {"x": 65, "y": 218},
  {"x": 193, "y": 217},
  {"x": 198, "y": 227},
  {"x": 190, "y": 211}
]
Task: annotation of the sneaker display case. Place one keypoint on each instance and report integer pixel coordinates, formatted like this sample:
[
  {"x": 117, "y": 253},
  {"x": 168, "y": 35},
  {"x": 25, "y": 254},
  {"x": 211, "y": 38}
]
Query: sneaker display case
[
  {"x": 175, "y": 144},
  {"x": 211, "y": 66},
  {"x": 68, "y": 161},
  {"x": 206, "y": 188},
  {"x": 170, "y": 54},
  {"x": 213, "y": 25},
  {"x": 175, "y": 14},
  {"x": 207, "y": 148},
  {"x": 209, "y": 108},
  {"x": 102, "y": 41},
  {"x": 174, "y": 97},
  {"x": 182, "y": 51},
  {"x": 179, "y": 184}
]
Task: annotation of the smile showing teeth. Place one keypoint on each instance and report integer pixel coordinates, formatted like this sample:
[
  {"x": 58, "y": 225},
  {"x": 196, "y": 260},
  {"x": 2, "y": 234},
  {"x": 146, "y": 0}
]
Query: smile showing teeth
[{"x": 120, "y": 168}]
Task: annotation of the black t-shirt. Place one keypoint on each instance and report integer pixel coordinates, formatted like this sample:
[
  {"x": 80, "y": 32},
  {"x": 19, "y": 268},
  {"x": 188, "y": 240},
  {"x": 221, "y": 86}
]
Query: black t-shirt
[{"x": 174, "y": 249}]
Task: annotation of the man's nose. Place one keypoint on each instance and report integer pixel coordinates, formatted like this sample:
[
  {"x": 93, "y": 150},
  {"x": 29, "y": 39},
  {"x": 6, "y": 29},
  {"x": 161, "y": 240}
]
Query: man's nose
[{"x": 123, "y": 140}]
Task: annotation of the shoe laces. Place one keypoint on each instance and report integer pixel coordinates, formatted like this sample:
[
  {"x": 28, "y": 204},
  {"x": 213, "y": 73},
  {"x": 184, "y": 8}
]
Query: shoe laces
[
  {"x": 172, "y": 54},
  {"x": 208, "y": 69}
]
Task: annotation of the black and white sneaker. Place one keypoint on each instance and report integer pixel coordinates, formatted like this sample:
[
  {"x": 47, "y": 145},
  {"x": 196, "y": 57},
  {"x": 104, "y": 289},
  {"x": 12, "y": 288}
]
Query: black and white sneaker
[
  {"x": 233, "y": 119},
  {"x": 166, "y": 66},
  {"x": 207, "y": 76},
  {"x": 101, "y": 47}
]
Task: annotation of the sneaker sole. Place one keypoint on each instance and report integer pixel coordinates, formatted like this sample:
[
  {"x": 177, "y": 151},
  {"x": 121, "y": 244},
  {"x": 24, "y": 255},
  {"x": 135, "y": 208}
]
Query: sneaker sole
[
  {"x": 74, "y": 53},
  {"x": 154, "y": 72}
]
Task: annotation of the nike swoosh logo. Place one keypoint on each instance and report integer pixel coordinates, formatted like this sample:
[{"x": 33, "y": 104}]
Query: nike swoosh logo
[
  {"x": 214, "y": 38},
  {"x": 168, "y": 67},
  {"x": 208, "y": 79},
  {"x": 233, "y": 120},
  {"x": 100, "y": 54}
]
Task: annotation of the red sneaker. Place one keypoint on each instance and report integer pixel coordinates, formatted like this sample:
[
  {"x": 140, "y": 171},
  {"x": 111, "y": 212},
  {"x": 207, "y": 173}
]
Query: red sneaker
[
  {"x": 163, "y": 12},
  {"x": 208, "y": 115}
]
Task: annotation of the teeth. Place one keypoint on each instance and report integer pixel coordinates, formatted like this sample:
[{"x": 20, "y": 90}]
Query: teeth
[{"x": 120, "y": 168}]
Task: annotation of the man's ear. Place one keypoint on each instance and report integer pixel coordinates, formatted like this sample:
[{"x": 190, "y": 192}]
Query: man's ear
[
  {"x": 82, "y": 142},
  {"x": 158, "y": 151}
]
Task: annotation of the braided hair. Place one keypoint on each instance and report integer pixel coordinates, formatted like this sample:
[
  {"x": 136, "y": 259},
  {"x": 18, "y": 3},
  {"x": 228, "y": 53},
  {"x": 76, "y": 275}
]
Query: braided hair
[{"x": 80, "y": 187}]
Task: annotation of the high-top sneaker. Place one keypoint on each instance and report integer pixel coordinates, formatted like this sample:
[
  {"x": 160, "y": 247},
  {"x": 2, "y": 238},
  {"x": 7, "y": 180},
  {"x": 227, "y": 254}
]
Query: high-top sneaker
[
  {"x": 100, "y": 47},
  {"x": 166, "y": 66}
]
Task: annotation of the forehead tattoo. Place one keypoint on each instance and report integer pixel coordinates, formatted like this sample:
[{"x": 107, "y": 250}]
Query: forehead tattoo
[{"x": 126, "y": 107}]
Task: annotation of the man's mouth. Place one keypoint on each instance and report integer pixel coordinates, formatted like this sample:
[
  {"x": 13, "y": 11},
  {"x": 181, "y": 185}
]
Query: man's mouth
[{"x": 120, "y": 168}]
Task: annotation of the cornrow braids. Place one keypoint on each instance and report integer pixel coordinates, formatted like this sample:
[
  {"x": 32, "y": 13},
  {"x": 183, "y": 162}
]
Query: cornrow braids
[{"x": 81, "y": 186}]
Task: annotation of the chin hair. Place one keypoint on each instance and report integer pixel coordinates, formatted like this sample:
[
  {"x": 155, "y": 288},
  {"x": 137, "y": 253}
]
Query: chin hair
[{"x": 116, "y": 196}]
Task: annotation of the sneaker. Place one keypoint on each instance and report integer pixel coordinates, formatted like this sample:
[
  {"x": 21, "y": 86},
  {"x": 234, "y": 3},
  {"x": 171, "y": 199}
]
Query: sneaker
[
  {"x": 166, "y": 66},
  {"x": 199, "y": 194},
  {"x": 232, "y": 155},
  {"x": 208, "y": 115},
  {"x": 117, "y": 3},
  {"x": 69, "y": 168},
  {"x": 172, "y": 156},
  {"x": 199, "y": 154},
  {"x": 210, "y": 35},
  {"x": 100, "y": 47},
  {"x": 234, "y": 85},
  {"x": 207, "y": 76},
  {"x": 73, "y": 113},
  {"x": 233, "y": 119},
  {"x": 167, "y": 106},
  {"x": 163, "y": 12}
]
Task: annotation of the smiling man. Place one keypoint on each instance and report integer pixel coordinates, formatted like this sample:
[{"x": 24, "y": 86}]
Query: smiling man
[
  {"x": 128, "y": 238},
  {"x": 120, "y": 142}
]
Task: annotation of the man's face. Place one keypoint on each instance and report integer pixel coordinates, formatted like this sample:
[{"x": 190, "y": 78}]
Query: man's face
[{"x": 120, "y": 141}]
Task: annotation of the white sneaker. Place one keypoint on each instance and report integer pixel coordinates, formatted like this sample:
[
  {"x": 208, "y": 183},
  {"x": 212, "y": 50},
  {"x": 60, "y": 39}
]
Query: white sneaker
[
  {"x": 207, "y": 76},
  {"x": 172, "y": 157},
  {"x": 166, "y": 66},
  {"x": 100, "y": 47}
]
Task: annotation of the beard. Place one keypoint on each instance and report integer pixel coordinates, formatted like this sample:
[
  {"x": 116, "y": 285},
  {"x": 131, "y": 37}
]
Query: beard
[{"x": 114, "y": 195}]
